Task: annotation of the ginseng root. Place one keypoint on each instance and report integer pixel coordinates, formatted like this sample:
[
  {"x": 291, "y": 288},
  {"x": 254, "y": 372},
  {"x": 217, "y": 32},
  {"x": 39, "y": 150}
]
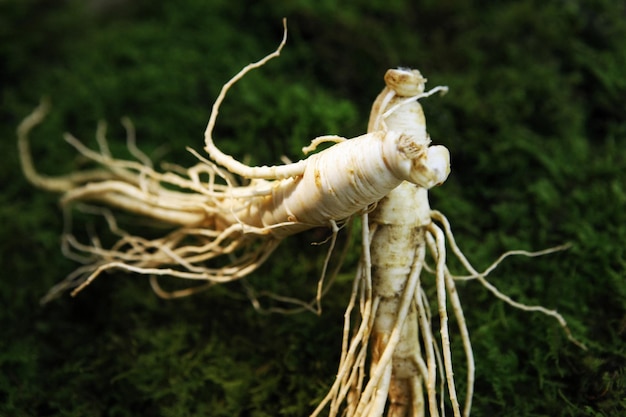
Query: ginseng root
[
  {"x": 219, "y": 230},
  {"x": 392, "y": 326}
]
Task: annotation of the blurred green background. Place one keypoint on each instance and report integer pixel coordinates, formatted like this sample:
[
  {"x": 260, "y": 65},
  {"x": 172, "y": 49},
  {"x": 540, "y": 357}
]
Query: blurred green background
[{"x": 535, "y": 122}]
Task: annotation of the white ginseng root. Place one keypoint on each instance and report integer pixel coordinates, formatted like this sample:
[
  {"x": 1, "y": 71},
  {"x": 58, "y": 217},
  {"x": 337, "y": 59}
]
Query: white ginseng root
[
  {"x": 393, "y": 322},
  {"x": 209, "y": 215}
]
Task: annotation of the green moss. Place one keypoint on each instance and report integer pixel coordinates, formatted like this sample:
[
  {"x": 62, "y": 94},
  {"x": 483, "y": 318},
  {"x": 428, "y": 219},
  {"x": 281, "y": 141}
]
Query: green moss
[{"x": 535, "y": 123}]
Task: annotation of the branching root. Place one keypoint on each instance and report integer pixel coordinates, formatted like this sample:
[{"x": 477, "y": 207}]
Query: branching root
[{"x": 356, "y": 392}]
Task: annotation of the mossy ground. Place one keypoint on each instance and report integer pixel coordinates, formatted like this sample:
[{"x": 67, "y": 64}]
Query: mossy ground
[{"x": 535, "y": 123}]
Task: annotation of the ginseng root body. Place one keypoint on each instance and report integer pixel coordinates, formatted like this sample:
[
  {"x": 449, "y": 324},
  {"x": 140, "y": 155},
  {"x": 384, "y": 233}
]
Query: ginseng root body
[
  {"x": 210, "y": 215},
  {"x": 393, "y": 322},
  {"x": 398, "y": 247}
]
